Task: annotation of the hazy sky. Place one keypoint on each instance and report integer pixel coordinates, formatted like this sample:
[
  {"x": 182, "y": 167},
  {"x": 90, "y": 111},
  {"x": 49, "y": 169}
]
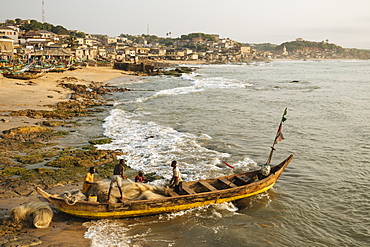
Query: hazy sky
[{"x": 343, "y": 22}]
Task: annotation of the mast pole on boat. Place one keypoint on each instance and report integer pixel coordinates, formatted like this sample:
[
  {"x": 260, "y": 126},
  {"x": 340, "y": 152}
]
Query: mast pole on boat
[{"x": 279, "y": 136}]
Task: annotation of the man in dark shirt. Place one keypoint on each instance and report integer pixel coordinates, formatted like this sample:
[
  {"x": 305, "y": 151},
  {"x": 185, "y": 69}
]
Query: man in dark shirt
[{"x": 117, "y": 178}]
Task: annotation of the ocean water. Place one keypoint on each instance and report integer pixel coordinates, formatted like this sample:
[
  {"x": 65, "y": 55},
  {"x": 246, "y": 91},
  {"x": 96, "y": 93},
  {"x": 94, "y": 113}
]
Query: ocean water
[{"x": 231, "y": 113}]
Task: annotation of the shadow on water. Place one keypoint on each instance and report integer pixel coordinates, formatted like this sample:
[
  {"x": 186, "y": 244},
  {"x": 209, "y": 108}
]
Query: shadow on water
[{"x": 255, "y": 203}]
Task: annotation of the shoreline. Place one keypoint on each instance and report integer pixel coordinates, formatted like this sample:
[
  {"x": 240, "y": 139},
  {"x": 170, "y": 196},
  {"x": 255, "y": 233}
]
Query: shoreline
[{"x": 41, "y": 94}]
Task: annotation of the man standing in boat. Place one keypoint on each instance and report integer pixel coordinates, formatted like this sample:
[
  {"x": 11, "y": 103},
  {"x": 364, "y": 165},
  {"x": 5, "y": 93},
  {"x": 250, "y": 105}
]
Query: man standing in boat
[
  {"x": 176, "y": 180},
  {"x": 117, "y": 178}
]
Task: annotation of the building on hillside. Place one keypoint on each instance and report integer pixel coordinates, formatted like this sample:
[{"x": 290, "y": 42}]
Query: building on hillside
[
  {"x": 85, "y": 53},
  {"x": 80, "y": 41},
  {"x": 142, "y": 51},
  {"x": 56, "y": 53},
  {"x": 285, "y": 52},
  {"x": 11, "y": 32},
  {"x": 91, "y": 42},
  {"x": 157, "y": 53},
  {"x": 109, "y": 41},
  {"x": 48, "y": 35},
  {"x": 175, "y": 54},
  {"x": 192, "y": 56},
  {"x": 6, "y": 47},
  {"x": 32, "y": 35},
  {"x": 37, "y": 44},
  {"x": 245, "y": 50}
]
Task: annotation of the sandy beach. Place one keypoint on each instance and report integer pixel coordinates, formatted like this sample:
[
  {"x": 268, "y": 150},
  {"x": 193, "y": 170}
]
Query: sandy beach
[{"x": 39, "y": 94}]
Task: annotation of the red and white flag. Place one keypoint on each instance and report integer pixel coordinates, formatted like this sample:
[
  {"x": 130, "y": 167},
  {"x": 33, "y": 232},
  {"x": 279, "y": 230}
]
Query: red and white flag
[{"x": 279, "y": 136}]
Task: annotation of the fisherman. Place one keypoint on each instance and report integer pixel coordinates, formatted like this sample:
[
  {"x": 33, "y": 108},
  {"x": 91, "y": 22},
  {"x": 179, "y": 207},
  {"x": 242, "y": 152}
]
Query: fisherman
[
  {"x": 89, "y": 180},
  {"x": 176, "y": 180},
  {"x": 140, "y": 178},
  {"x": 117, "y": 178}
]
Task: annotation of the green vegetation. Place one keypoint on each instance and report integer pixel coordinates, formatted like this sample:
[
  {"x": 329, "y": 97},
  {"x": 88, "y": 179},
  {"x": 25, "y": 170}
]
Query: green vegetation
[
  {"x": 34, "y": 25},
  {"x": 263, "y": 47},
  {"x": 78, "y": 34},
  {"x": 140, "y": 38},
  {"x": 304, "y": 45},
  {"x": 190, "y": 36},
  {"x": 72, "y": 42},
  {"x": 358, "y": 53},
  {"x": 37, "y": 26},
  {"x": 101, "y": 141}
]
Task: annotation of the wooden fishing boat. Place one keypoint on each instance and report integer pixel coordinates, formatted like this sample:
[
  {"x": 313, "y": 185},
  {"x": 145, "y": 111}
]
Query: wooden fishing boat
[
  {"x": 196, "y": 194},
  {"x": 59, "y": 68},
  {"x": 75, "y": 66},
  {"x": 23, "y": 75}
]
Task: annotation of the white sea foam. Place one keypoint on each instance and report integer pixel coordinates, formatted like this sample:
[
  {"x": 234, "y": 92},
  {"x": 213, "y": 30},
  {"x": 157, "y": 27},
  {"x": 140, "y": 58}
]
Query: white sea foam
[
  {"x": 197, "y": 85},
  {"x": 122, "y": 233},
  {"x": 150, "y": 147},
  {"x": 111, "y": 233}
]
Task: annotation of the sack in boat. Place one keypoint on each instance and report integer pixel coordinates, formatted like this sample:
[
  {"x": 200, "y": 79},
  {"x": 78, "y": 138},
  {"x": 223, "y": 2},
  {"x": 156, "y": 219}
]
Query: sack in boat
[{"x": 265, "y": 170}]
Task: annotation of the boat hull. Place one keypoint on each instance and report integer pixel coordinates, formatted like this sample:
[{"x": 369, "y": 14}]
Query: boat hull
[
  {"x": 23, "y": 75},
  {"x": 199, "y": 193}
]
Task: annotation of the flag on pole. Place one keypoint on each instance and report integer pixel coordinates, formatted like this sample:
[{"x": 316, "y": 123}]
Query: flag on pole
[{"x": 279, "y": 135}]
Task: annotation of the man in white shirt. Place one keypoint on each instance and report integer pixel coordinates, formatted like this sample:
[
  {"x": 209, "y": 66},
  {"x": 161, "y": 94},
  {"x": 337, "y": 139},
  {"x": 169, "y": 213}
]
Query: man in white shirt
[{"x": 176, "y": 181}]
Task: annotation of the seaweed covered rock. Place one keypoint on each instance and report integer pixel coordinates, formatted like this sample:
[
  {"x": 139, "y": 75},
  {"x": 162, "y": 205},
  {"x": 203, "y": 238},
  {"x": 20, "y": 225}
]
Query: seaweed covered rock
[{"x": 29, "y": 133}]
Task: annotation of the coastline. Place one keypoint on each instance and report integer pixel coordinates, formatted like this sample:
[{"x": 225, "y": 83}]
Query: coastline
[{"x": 41, "y": 94}]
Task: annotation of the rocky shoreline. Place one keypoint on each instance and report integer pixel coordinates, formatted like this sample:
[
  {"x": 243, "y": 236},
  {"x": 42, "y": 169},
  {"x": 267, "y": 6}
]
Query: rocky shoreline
[
  {"x": 39, "y": 154},
  {"x": 41, "y": 147}
]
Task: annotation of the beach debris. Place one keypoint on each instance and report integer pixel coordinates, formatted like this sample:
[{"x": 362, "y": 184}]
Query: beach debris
[{"x": 39, "y": 214}]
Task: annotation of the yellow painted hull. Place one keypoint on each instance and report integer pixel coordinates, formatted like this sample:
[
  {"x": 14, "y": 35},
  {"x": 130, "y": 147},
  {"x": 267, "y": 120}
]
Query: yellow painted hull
[
  {"x": 234, "y": 191},
  {"x": 151, "y": 211}
]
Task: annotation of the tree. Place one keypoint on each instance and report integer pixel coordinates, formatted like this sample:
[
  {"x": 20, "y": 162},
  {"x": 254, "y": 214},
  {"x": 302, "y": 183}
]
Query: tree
[
  {"x": 60, "y": 30},
  {"x": 78, "y": 34},
  {"x": 72, "y": 42},
  {"x": 46, "y": 26},
  {"x": 9, "y": 22},
  {"x": 206, "y": 37},
  {"x": 32, "y": 25},
  {"x": 18, "y": 21}
]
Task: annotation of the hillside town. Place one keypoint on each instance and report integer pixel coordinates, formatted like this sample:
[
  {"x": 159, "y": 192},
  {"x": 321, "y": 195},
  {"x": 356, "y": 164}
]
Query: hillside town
[
  {"x": 19, "y": 41},
  {"x": 90, "y": 47}
]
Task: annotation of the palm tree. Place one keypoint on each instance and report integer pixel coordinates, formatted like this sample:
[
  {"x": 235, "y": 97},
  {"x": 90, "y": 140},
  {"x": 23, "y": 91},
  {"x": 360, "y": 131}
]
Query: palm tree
[{"x": 72, "y": 42}]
